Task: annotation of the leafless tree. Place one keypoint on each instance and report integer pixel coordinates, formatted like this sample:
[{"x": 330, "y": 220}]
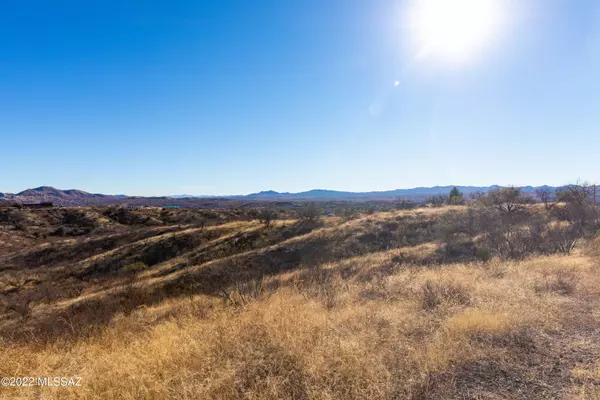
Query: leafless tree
[
  {"x": 476, "y": 196},
  {"x": 404, "y": 204},
  {"x": 309, "y": 212},
  {"x": 437, "y": 200},
  {"x": 508, "y": 200},
  {"x": 546, "y": 196},
  {"x": 267, "y": 216},
  {"x": 577, "y": 193},
  {"x": 577, "y": 208}
]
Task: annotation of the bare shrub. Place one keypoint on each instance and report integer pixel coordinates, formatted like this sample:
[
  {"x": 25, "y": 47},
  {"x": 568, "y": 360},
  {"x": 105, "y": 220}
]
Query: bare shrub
[
  {"x": 495, "y": 270},
  {"x": 469, "y": 222},
  {"x": 20, "y": 304},
  {"x": 330, "y": 291},
  {"x": 458, "y": 247},
  {"x": 563, "y": 282},
  {"x": 20, "y": 226},
  {"x": 437, "y": 200},
  {"x": 508, "y": 200},
  {"x": 266, "y": 216},
  {"x": 430, "y": 297},
  {"x": 476, "y": 196},
  {"x": 130, "y": 272},
  {"x": 434, "y": 294},
  {"x": 405, "y": 204},
  {"x": 80, "y": 219},
  {"x": 132, "y": 294},
  {"x": 511, "y": 242},
  {"x": 347, "y": 213},
  {"x": 47, "y": 292},
  {"x": 562, "y": 239},
  {"x": 451, "y": 223},
  {"x": 529, "y": 234},
  {"x": 592, "y": 248},
  {"x": 370, "y": 209},
  {"x": 577, "y": 209},
  {"x": 509, "y": 229},
  {"x": 247, "y": 291},
  {"x": 15, "y": 216},
  {"x": 324, "y": 285},
  {"x": 309, "y": 213},
  {"x": 546, "y": 196}
]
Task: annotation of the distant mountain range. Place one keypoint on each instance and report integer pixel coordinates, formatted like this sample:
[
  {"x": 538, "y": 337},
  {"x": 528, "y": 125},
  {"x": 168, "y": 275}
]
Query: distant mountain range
[
  {"x": 74, "y": 197},
  {"x": 323, "y": 194}
]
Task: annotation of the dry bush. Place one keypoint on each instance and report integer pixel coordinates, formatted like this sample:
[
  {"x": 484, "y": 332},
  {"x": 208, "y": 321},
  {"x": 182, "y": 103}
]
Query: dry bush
[
  {"x": 466, "y": 221},
  {"x": 405, "y": 204},
  {"x": 563, "y": 282},
  {"x": 560, "y": 239},
  {"x": 480, "y": 231},
  {"x": 12, "y": 216},
  {"x": 322, "y": 284},
  {"x": 309, "y": 213},
  {"x": 546, "y": 196},
  {"x": 348, "y": 212},
  {"x": 437, "y": 200},
  {"x": 247, "y": 291},
  {"x": 508, "y": 201},
  {"x": 497, "y": 270},
  {"x": 512, "y": 243},
  {"x": 21, "y": 304},
  {"x": 434, "y": 294},
  {"x": 48, "y": 293},
  {"x": 512, "y": 230},
  {"x": 592, "y": 248},
  {"x": 267, "y": 216}
]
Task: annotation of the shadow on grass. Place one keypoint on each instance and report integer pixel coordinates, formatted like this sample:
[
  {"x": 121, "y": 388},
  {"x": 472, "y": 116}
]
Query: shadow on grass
[{"x": 251, "y": 256}]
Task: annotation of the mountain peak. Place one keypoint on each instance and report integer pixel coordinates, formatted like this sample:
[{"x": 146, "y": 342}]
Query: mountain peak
[
  {"x": 45, "y": 189},
  {"x": 42, "y": 190}
]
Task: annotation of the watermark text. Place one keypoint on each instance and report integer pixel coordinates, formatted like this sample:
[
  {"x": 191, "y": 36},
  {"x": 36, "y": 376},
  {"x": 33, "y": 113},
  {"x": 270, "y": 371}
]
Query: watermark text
[{"x": 45, "y": 381}]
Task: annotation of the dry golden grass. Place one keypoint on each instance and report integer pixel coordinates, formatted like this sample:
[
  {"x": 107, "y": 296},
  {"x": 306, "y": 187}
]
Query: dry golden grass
[
  {"x": 292, "y": 344},
  {"x": 365, "y": 327}
]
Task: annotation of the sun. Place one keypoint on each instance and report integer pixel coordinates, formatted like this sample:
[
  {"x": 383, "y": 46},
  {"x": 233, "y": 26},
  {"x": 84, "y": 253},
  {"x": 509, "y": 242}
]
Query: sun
[{"x": 454, "y": 30}]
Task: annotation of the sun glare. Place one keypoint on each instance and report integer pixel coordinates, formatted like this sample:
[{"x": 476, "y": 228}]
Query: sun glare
[{"x": 454, "y": 30}]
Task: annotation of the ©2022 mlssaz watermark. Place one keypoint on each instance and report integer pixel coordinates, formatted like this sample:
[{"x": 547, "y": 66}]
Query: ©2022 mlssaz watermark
[{"x": 45, "y": 381}]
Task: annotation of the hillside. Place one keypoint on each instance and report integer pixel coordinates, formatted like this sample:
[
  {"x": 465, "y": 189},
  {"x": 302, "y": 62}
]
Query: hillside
[{"x": 216, "y": 304}]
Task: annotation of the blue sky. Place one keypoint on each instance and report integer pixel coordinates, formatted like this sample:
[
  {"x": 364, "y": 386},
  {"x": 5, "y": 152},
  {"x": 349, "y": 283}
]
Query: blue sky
[{"x": 236, "y": 96}]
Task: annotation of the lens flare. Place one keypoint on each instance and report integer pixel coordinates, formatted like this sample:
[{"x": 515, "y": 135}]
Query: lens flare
[{"x": 454, "y": 30}]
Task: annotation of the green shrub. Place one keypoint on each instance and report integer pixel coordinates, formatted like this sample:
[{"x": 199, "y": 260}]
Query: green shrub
[
  {"x": 455, "y": 197},
  {"x": 483, "y": 254},
  {"x": 135, "y": 267}
]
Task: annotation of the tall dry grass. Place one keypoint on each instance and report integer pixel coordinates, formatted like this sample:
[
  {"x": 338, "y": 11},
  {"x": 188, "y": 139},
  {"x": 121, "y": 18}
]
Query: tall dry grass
[{"x": 473, "y": 330}]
